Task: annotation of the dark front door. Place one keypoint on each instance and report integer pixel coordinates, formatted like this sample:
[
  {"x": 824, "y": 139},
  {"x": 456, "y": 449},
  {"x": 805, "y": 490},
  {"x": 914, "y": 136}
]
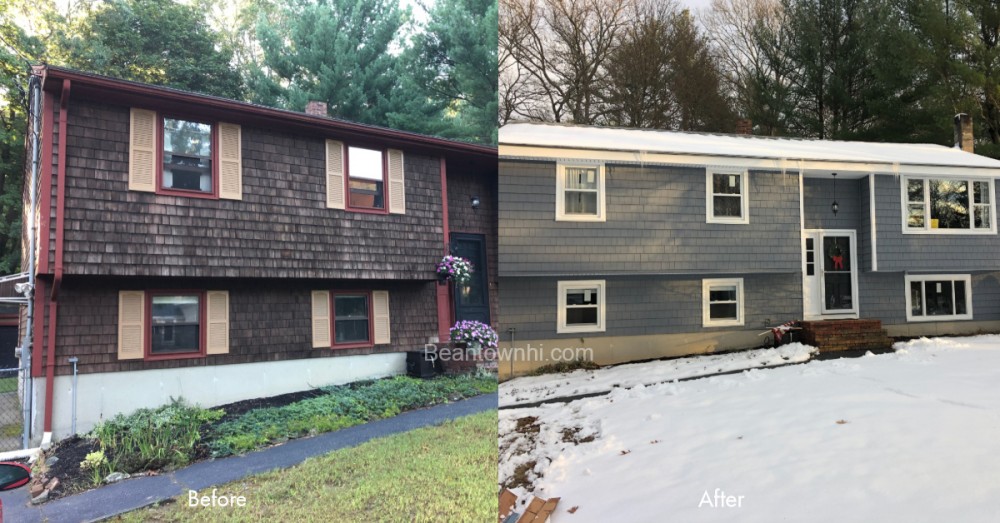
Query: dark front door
[
  {"x": 8, "y": 340},
  {"x": 472, "y": 300}
]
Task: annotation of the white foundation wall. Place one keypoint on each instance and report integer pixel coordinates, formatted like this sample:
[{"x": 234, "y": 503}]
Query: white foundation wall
[{"x": 102, "y": 395}]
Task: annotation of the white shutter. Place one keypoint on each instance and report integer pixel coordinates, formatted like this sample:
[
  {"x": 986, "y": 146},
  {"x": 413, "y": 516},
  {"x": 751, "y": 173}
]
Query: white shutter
[
  {"x": 321, "y": 319},
  {"x": 380, "y": 306},
  {"x": 335, "y": 198},
  {"x": 131, "y": 324},
  {"x": 230, "y": 162},
  {"x": 218, "y": 322},
  {"x": 397, "y": 183},
  {"x": 142, "y": 151}
]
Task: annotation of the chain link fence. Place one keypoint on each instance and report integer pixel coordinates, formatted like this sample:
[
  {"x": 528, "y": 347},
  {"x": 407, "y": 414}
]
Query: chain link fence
[{"x": 10, "y": 411}]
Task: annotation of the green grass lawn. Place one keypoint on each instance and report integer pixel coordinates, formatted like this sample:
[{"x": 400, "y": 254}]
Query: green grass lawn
[
  {"x": 8, "y": 385},
  {"x": 441, "y": 473}
]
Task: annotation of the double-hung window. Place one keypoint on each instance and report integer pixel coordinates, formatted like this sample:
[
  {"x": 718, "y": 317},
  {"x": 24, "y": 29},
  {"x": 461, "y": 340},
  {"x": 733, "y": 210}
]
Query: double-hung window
[
  {"x": 172, "y": 324},
  {"x": 351, "y": 319},
  {"x": 580, "y": 192},
  {"x": 187, "y": 156},
  {"x": 581, "y": 306},
  {"x": 948, "y": 206},
  {"x": 365, "y": 178},
  {"x": 938, "y": 297},
  {"x": 176, "y": 323},
  {"x": 726, "y": 197},
  {"x": 722, "y": 302}
]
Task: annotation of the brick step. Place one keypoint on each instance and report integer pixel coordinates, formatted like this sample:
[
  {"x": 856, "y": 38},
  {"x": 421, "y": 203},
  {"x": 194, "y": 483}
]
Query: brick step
[{"x": 834, "y": 335}]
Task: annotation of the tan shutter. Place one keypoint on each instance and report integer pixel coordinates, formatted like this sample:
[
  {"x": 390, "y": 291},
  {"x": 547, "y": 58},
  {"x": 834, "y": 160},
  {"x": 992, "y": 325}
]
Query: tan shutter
[
  {"x": 380, "y": 306},
  {"x": 230, "y": 162},
  {"x": 142, "y": 151},
  {"x": 321, "y": 319},
  {"x": 131, "y": 328},
  {"x": 397, "y": 185},
  {"x": 335, "y": 175},
  {"x": 218, "y": 322}
]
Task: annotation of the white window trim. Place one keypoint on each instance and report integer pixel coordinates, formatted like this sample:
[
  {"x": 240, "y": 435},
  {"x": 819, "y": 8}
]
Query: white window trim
[
  {"x": 967, "y": 278},
  {"x": 561, "y": 215},
  {"x": 904, "y": 205},
  {"x": 710, "y": 202},
  {"x": 563, "y": 286},
  {"x": 706, "y": 286}
]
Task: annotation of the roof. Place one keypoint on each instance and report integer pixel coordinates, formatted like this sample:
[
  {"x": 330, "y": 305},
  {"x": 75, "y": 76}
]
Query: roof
[
  {"x": 518, "y": 139},
  {"x": 99, "y": 87}
]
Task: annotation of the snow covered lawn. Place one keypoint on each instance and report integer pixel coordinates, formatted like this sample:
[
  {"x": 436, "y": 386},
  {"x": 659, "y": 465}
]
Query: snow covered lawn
[
  {"x": 536, "y": 388},
  {"x": 911, "y": 436}
]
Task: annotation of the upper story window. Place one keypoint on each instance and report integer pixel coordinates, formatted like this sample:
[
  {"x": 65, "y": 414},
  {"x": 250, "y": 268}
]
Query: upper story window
[
  {"x": 948, "y": 206},
  {"x": 580, "y": 192},
  {"x": 938, "y": 297},
  {"x": 581, "y": 306},
  {"x": 187, "y": 156},
  {"x": 726, "y": 197},
  {"x": 365, "y": 178}
]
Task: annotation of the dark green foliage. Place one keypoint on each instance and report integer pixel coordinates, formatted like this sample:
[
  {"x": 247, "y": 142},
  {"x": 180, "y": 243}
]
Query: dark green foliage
[{"x": 340, "y": 407}]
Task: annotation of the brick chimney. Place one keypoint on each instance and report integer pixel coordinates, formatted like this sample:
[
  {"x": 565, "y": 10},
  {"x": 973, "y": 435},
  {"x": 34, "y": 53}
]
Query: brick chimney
[
  {"x": 744, "y": 126},
  {"x": 316, "y": 108},
  {"x": 963, "y": 132}
]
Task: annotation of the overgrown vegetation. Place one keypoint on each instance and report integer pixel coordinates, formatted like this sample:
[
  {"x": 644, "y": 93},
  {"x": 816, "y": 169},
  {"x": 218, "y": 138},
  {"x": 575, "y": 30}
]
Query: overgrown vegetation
[
  {"x": 149, "y": 439},
  {"x": 441, "y": 473},
  {"x": 564, "y": 366},
  {"x": 340, "y": 407}
]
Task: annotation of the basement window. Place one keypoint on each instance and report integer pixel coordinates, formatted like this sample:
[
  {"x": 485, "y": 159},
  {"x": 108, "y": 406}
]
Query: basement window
[
  {"x": 722, "y": 302},
  {"x": 948, "y": 206},
  {"x": 352, "y": 326},
  {"x": 938, "y": 297},
  {"x": 175, "y": 322},
  {"x": 581, "y": 306}
]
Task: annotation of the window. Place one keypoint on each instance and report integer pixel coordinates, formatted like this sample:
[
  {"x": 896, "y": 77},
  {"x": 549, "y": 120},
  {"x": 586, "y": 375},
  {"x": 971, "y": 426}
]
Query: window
[
  {"x": 351, "y": 319},
  {"x": 187, "y": 157},
  {"x": 580, "y": 192},
  {"x": 938, "y": 297},
  {"x": 175, "y": 324},
  {"x": 948, "y": 206},
  {"x": 722, "y": 302},
  {"x": 726, "y": 199},
  {"x": 581, "y": 306},
  {"x": 365, "y": 178}
]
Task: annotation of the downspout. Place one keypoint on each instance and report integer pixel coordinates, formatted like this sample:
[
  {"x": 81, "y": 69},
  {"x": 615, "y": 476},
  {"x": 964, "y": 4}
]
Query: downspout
[
  {"x": 35, "y": 90},
  {"x": 50, "y": 363},
  {"x": 443, "y": 294}
]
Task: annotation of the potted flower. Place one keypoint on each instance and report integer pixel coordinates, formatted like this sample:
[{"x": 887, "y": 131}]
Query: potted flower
[
  {"x": 454, "y": 268},
  {"x": 475, "y": 335}
]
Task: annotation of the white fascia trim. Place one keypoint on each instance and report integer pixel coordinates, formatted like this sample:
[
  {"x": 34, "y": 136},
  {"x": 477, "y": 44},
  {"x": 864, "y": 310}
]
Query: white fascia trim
[
  {"x": 706, "y": 286},
  {"x": 904, "y": 208},
  {"x": 775, "y": 164},
  {"x": 967, "y": 278},
  {"x": 710, "y": 217},
  {"x": 561, "y": 215},
  {"x": 563, "y": 286}
]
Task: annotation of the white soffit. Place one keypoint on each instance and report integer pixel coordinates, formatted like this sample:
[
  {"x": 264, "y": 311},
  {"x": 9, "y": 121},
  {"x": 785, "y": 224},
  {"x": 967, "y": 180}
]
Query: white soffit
[{"x": 559, "y": 141}]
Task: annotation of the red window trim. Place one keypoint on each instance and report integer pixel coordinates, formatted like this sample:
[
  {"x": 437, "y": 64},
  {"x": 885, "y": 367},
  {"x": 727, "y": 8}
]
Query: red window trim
[
  {"x": 333, "y": 320},
  {"x": 385, "y": 180},
  {"x": 214, "y": 195},
  {"x": 202, "y": 327}
]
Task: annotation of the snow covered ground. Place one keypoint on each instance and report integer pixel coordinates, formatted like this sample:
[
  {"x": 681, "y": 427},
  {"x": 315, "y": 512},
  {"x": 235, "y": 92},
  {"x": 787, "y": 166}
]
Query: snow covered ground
[
  {"x": 531, "y": 389},
  {"x": 911, "y": 436}
]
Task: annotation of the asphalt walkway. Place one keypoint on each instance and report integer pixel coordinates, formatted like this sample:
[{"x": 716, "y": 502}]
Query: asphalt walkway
[{"x": 124, "y": 496}]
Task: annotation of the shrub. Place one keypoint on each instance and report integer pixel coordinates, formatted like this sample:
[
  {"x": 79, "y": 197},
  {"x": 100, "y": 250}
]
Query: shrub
[{"x": 166, "y": 436}]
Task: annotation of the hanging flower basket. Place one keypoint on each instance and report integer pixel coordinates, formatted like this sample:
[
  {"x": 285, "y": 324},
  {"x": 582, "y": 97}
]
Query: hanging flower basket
[
  {"x": 454, "y": 268},
  {"x": 475, "y": 334}
]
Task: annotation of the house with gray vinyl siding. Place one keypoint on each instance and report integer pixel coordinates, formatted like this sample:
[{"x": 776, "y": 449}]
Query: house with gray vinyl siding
[
  {"x": 641, "y": 244},
  {"x": 198, "y": 247}
]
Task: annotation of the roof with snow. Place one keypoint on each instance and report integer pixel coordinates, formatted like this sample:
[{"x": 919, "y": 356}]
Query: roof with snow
[{"x": 515, "y": 138}]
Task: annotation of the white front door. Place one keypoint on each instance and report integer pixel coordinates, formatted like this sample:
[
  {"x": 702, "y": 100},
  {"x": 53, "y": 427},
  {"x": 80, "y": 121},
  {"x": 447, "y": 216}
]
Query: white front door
[{"x": 829, "y": 274}]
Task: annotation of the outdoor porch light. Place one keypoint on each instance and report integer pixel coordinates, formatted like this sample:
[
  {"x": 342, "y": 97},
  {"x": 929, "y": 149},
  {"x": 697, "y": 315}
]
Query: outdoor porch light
[
  {"x": 834, "y": 206},
  {"x": 475, "y": 202}
]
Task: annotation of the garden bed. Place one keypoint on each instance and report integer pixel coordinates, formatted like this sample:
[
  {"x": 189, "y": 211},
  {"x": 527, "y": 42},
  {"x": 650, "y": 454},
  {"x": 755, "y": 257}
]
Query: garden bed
[{"x": 173, "y": 436}]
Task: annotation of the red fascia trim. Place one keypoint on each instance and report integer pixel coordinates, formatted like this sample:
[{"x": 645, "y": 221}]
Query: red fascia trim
[
  {"x": 333, "y": 320},
  {"x": 128, "y": 92},
  {"x": 147, "y": 342},
  {"x": 38, "y": 337},
  {"x": 347, "y": 184},
  {"x": 445, "y": 312},
  {"x": 214, "y": 195},
  {"x": 9, "y": 321},
  {"x": 50, "y": 359},
  {"x": 45, "y": 184},
  {"x": 61, "y": 191}
]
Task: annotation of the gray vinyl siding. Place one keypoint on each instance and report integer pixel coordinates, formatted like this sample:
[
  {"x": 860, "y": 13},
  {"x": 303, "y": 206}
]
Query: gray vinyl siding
[
  {"x": 656, "y": 224},
  {"x": 883, "y": 296},
  {"x": 818, "y": 197},
  {"x": 646, "y": 305},
  {"x": 926, "y": 252}
]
